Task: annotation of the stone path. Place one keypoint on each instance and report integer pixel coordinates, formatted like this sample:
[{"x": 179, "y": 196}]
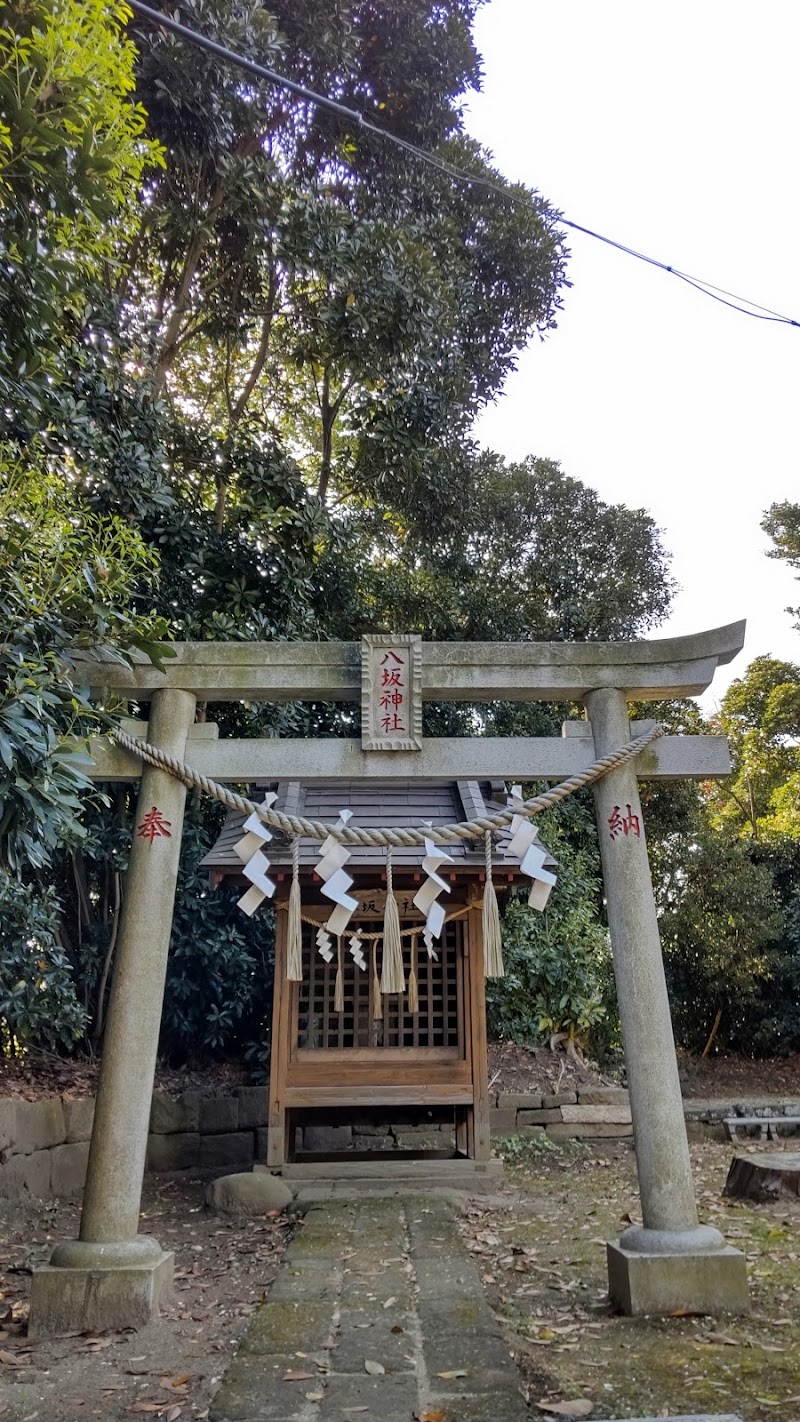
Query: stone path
[{"x": 377, "y": 1312}]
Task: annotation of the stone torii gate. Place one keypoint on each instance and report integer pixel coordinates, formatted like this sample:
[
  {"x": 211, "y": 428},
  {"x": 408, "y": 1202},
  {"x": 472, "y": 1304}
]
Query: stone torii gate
[{"x": 112, "y": 1276}]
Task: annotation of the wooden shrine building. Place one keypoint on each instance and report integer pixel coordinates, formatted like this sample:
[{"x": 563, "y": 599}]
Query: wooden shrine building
[{"x": 420, "y": 1054}]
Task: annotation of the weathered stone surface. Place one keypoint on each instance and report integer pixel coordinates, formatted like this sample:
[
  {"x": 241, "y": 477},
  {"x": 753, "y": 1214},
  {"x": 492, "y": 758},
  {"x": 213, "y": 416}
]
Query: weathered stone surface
[
  {"x": 612, "y": 1115},
  {"x": 590, "y": 1130},
  {"x": 603, "y": 1096},
  {"x": 261, "y": 1139},
  {"x": 8, "y": 1122},
  {"x": 713, "y": 1282},
  {"x": 69, "y": 1300},
  {"x": 180, "y": 1152},
  {"x": 559, "y": 1098},
  {"x": 218, "y": 1114},
  {"x": 422, "y": 1140},
  {"x": 502, "y": 1121},
  {"x": 254, "y": 1390},
  {"x": 327, "y": 1138},
  {"x": 174, "y": 1115},
  {"x": 26, "y": 1174},
  {"x": 248, "y": 1193},
  {"x": 68, "y": 1168},
  {"x": 516, "y": 1100},
  {"x": 233, "y": 1151},
  {"x": 539, "y": 1118},
  {"x": 78, "y": 1118},
  {"x": 38, "y": 1125},
  {"x": 253, "y": 1106},
  {"x": 280, "y": 1326},
  {"x": 389, "y": 1397}
]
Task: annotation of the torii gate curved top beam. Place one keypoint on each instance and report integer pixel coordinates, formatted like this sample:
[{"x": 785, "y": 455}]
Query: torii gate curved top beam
[{"x": 451, "y": 671}]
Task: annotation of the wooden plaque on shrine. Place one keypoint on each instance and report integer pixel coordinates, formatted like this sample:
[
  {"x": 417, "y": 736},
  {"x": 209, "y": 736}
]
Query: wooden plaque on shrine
[{"x": 391, "y": 692}]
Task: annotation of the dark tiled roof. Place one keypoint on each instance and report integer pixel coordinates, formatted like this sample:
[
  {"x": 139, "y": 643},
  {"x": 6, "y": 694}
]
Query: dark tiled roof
[{"x": 375, "y": 804}]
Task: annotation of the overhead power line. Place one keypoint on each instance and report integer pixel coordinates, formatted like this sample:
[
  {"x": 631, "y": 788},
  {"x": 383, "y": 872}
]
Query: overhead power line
[{"x": 451, "y": 170}]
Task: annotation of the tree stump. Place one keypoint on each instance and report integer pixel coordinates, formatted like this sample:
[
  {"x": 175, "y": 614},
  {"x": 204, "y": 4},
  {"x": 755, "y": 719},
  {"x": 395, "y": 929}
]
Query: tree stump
[{"x": 764, "y": 1177}]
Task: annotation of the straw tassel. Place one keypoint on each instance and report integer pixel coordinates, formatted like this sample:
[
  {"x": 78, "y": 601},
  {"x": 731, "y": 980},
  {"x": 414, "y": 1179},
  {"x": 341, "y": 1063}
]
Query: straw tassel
[
  {"x": 294, "y": 928},
  {"x": 377, "y": 1003},
  {"x": 492, "y": 939},
  {"x": 338, "y": 992},
  {"x": 413, "y": 989},
  {"x": 393, "y": 978}
]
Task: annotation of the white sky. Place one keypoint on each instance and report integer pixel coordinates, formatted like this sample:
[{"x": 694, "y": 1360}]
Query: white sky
[{"x": 672, "y": 128}]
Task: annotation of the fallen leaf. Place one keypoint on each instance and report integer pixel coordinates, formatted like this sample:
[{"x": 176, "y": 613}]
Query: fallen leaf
[
  {"x": 453, "y": 1373},
  {"x": 147, "y": 1407},
  {"x": 373, "y": 1368},
  {"x": 576, "y": 1407},
  {"x": 10, "y": 1359},
  {"x": 722, "y": 1339},
  {"x": 436, "y": 1416},
  {"x": 296, "y": 1376},
  {"x": 388, "y": 1302},
  {"x": 174, "y": 1413},
  {"x": 314, "y": 1396}
]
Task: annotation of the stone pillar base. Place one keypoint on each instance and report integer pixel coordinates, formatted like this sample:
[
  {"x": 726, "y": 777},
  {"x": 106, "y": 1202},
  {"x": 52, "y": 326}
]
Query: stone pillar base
[
  {"x": 117, "y": 1296},
  {"x": 710, "y": 1282}
]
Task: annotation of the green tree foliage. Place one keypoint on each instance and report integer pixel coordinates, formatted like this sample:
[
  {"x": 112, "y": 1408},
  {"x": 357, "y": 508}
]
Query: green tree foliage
[
  {"x": 720, "y": 925},
  {"x": 38, "y": 1001},
  {"x": 760, "y": 715},
  {"x": 248, "y": 342},
  {"x": 558, "y": 962},
  {"x": 782, "y": 523}
]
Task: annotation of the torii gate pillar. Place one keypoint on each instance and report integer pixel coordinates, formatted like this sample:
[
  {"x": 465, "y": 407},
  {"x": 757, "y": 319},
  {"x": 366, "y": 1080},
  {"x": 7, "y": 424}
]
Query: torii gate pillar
[
  {"x": 113, "y": 1277},
  {"x": 670, "y": 1261}
]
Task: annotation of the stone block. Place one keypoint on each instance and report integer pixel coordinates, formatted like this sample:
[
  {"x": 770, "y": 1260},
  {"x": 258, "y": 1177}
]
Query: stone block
[
  {"x": 502, "y": 1121},
  {"x": 539, "y": 1118},
  {"x": 392, "y": 1396},
  {"x": 8, "y": 1123},
  {"x": 179, "y": 1152},
  {"x": 78, "y": 1118},
  {"x": 218, "y": 1114},
  {"x": 603, "y": 1096},
  {"x": 619, "y": 1115},
  {"x": 519, "y": 1100},
  {"x": 370, "y": 1128},
  {"x": 422, "y": 1140},
  {"x": 233, "y": 1151},
  {"x": 593, "y": 1130},
  {"x": 282, "y": 1327},
  {"x": 174, "y": 1115},
  {"x": 68, "y": 1168},
  {"x": 324, "y": 1139},
  {"x": 253, "y": 1106},
  {"x": 712, "y": 1282},
  {"x": 78, "y": 1300},
  {"x": 559, "y": 1098},
  {"x": 248, "y": 1193},
  {"x": 26, "y": 1175},
  {"x": 38, "y": 1125}
]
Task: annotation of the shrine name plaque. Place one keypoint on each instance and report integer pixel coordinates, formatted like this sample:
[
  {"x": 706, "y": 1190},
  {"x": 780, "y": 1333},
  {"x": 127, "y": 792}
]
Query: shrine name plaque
[{"x": 391, "y": 692}]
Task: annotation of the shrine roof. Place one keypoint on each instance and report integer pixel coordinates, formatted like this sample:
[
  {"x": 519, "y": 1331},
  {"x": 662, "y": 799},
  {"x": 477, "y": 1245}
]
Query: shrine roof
[{"x": 375, "y": 804}]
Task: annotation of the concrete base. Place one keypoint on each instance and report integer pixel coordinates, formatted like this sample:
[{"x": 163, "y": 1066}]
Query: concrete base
[
  {"x": 64, "y": 1300},
  {"x": 660, "y": 1283}
]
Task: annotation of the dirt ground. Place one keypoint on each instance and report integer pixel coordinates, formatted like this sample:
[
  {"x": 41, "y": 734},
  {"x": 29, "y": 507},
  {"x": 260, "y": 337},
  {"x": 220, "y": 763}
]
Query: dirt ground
[
  {"x": 542, "y": 1256},
  {"x": 540, "y": 1246},
  {"x": 169, "y": 1370}
]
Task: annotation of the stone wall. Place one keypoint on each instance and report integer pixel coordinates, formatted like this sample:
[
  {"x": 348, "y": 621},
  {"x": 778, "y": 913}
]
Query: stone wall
[{"x": 44, "y": 1145}]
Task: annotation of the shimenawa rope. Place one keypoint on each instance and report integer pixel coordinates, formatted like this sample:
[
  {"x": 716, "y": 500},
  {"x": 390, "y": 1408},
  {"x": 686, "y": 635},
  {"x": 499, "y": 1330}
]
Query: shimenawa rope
[{"x": 294, "y": 825}]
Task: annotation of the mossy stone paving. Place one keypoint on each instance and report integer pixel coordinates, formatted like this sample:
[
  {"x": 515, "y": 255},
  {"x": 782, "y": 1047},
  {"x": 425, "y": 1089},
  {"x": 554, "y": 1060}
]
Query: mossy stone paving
[{"x": 398, "y": 1325}]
